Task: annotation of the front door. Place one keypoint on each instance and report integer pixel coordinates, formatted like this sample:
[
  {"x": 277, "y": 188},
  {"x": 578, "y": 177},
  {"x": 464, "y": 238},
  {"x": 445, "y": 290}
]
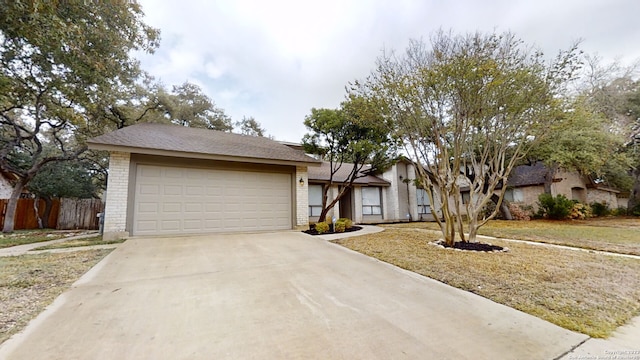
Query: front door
[{"x": 346, "y": 205}]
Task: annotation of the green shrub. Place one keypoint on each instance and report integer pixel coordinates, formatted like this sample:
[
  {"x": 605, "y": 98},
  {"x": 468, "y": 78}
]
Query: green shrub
[
  {"x": 621, "y": 211},
  {"x": 557, "y": 208},
  {"x": 348, "y": 224},
  {"x": 339, "y": 227},
  {"x": 322, "y": 227},
  {"x": 635, "y": 211},
  {"x": 600, "y": 209}
]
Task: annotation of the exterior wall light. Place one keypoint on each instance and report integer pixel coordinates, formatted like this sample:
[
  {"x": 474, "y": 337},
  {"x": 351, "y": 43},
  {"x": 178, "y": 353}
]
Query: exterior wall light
[{"x": 301, "y": 181}]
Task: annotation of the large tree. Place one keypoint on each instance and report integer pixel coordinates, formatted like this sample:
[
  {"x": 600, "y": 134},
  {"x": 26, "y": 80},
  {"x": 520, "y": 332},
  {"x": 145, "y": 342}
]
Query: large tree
[
  {"x": 468, "y": 108},
  {"x": 612, "y": 91},
  {"x": 58, "y": 61},
  {"x": 69, "y": 179},
  {"x": 354, "y": 136},
  {"x": 249, "y": 126},
  {"x": 581, "y": 140},
  {"x": 187, "y": 105}
]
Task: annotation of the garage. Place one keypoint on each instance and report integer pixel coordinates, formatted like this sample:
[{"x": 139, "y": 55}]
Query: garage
[
  {"x": 171, "y": 180},
  {"x": 172, "y": 200}
]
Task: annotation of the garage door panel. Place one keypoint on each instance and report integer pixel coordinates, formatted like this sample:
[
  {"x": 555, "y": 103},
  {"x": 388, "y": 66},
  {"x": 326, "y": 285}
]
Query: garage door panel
[
  {"x": 172, "y": 190},
  {"x": 171, "y": 207},
  {"x": 184, "y": 200},
  {"x": 170, "y": 225},
  {"x": 150, "y": 189}
]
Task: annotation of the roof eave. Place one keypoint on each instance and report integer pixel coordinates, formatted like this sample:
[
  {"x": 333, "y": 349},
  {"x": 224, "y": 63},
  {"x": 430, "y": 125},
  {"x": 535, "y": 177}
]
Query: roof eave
[{"x": 194, "y": 155}]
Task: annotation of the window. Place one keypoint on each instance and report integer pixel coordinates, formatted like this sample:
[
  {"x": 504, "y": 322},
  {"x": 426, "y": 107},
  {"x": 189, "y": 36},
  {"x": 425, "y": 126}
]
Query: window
[
  {"x": 514, "y": 195},
  {"x": 424, "y": 207},
  {"x": 315, "y": 200},
  {"x": 371, "y": 201},
  {"x": 466, "y": 197}
]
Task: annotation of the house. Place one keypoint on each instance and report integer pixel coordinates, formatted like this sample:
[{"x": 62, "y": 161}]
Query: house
[
  {"x": 6, "y": 186},
  {"x": 168, "y": 179},
  {"x": 388, "y": 197},
  {"x": 393, "y": 197},
  {"x": 527, "y": 182}
]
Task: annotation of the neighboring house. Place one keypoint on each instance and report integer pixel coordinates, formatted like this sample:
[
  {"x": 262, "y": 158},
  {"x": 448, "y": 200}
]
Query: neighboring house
[
  {"x": 389, "y": 197},
  {"x": 167, "y": 179},
  {"x": 5, "y": 185},
  {"x": 393, "y": 197},
  {"x": 527, "y": 182}
]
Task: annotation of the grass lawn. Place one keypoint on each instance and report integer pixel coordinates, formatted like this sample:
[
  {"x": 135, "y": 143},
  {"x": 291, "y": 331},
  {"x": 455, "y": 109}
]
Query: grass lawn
[
  {"x": 28, "y": 283},
  {"x": 94, "y": 240},
  {"x": 621, "y": 235},
  {"x": 585, "y": 292},
  {"x": 21, "y": 237}
]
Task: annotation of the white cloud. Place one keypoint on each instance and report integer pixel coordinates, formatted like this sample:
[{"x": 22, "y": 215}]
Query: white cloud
[{"x": 274, "y": 60}]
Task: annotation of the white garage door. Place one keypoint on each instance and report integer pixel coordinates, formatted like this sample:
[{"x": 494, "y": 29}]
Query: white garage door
[{"x": 172, "y": 200}]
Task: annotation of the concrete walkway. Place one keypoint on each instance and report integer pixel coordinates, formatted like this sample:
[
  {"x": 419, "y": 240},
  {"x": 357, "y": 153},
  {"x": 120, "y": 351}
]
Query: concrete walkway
[{"x": 273, "y": 296}]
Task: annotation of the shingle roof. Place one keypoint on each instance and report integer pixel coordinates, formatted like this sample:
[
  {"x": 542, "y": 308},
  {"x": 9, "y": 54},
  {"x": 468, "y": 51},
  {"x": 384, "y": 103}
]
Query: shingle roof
[
  {"x": 322, "y": 174},
  {"x": 528, "y": 175},
  {"x": 145, "y": 137}
]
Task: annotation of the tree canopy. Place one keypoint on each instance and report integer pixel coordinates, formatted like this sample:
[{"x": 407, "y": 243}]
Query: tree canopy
[
  {"x": 468, "y": 108},
  {"x": 355, "y": 136},
  {"x": 249, "y": 126},
  {"x": 58, "y": 62}
]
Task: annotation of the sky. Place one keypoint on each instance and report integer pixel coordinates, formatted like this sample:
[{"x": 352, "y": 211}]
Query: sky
[{"x": 275, "y": 60}]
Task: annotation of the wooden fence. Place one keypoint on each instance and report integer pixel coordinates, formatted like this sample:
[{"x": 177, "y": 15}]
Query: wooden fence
[
  {"x": 66, "y": 214},
  {"x": 79, "y": 214}
]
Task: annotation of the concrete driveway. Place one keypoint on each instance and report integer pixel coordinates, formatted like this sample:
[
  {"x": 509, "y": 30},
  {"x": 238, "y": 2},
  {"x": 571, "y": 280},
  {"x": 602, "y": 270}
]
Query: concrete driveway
[{"x": 280, "y": 295}]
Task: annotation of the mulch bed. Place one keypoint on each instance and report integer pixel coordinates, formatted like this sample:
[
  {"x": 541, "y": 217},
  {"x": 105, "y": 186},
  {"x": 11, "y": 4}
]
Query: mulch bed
[
  {"x": 314, "y": 232},
  {"x": 472, "y": 246}
]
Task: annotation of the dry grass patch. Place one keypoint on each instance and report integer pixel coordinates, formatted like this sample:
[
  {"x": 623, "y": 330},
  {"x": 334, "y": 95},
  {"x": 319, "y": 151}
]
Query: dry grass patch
[
  {"x": 28, "y": 283},
  {"x": 90, "y": 241},
  {"x": 585, "y": 292},
  {"x": 621, "y": 235},
  {"x": 21, "y": 237}
]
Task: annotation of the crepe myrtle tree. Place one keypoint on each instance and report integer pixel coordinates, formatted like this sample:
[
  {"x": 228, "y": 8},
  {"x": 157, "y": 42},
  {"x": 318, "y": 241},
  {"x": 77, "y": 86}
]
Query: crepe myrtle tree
[
  {"x": 354, "y": 136},
  {"x": 468, "y": 108}
]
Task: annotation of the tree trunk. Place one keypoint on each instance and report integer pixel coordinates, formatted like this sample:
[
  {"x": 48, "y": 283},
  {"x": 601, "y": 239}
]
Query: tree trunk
[
  {"x": 48, "y": 205},
  {"x": 634, "y": 196},
  {"x": 473, "y": 230},
  {"x": 504, "y": 207},
  {"x": 12, "y": 205}
]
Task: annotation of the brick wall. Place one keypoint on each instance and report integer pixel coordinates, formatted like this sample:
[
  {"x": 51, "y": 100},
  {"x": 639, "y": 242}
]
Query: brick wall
[
  {"x": 302, "y": 197},
  {"x": 115, "y": 220},
  {"x": 603, "y": 196}
]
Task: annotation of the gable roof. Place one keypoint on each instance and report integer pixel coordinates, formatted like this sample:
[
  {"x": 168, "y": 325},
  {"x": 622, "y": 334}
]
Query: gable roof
[
  {"x": 180, "y": 141},
  {"x": 323, "y": 172}
]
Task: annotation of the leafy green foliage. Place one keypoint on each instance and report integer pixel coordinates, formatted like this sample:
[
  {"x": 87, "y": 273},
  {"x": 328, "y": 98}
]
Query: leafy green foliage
[
  {"x": 249, "y": 126},
  {"x": 580, "y": 140},
  {"x": 347, "y": 222},
  {"x": 556, "y": 208},
  {"x": 322, "y": 227},
  {"x": 58, "y": 61},
  {"x": 352, "y": 137},
  {"x": 64, "y": 179},
  {"x": 339, "y": 227},
  {"x": 600, "y": 209},
  {"x": 186, "y": 105}
]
